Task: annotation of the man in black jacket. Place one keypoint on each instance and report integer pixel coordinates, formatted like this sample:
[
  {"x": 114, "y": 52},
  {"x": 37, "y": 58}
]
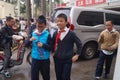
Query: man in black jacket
[{"x": 8, "y": 34}]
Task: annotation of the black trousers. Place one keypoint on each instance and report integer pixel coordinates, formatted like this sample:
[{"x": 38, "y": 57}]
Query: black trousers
[
  {"x": 63, "y": 69},
  {"x": 42, "y": 66},
  {"x": 8, "y": 53},
  {"x": 108, "y": 61}
]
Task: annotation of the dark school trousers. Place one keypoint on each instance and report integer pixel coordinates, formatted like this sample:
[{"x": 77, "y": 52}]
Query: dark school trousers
[
  {"x": 103, "y": 58},
  {"x": 62, "y": 69},
  {"x": 42, "y": 66}
]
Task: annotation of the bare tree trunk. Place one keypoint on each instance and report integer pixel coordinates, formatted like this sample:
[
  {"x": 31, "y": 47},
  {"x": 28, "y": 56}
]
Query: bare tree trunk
[
  {"x": 50, "y": 8},
  {"x": 28, "y": 11},
  {"x": 43, "y": 6},
  {"x": 35, "y": 11}
]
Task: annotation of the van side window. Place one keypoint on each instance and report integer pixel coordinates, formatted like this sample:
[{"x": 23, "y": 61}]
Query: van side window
[
  {"x": 90, "y": 18},
  {"x": 114, "y": 17}
]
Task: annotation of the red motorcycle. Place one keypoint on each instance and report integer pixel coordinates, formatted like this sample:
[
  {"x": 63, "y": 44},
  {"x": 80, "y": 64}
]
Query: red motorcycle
[
  {"x": 18, "y": 61},
  {"x": 20, "y": 51}
]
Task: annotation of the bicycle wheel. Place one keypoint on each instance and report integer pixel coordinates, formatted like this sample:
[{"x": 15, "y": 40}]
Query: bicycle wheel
[
  {"x": 29, "y": 59},
  {"x": 1, "y": 64}
]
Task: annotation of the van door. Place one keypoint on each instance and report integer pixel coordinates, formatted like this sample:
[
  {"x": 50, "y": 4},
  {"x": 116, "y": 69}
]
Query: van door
[
  {"x": 88, "y": 27},
  {"x": 90, "y": 24}
]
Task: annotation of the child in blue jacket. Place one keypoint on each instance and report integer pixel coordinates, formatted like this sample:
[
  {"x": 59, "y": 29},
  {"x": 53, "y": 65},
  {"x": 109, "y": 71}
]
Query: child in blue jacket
[{"x": 40, "y": 50}]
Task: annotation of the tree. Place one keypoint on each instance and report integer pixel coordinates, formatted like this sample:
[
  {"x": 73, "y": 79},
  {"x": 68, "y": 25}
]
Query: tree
[
  {"x": 22, "y": 8},
  {"x": 43, "y": 6},
  {"x": 37, "y": 6},
  {"x": 8, "y": 1},
  {"x": 28, "y": 9},
  {"x": 57, "y": 1}
]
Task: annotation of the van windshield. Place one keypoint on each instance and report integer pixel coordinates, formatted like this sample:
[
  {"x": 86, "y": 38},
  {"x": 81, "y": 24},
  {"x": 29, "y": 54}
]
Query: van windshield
[{"x": 59, "y": 11}]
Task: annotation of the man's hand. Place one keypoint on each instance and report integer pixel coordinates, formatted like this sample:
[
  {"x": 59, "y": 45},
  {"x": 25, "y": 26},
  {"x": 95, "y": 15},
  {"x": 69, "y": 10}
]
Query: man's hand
[
  {"x": 32, "y": 38},
  {"x": 24, "y": 34},
  {"x": 75, "y": 58},
  {"x": 39, "y": 44}
]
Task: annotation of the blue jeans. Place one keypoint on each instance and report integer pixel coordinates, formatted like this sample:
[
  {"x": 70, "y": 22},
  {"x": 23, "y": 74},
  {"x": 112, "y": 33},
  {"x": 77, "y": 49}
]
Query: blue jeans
[{"x": 103, "y": 58}]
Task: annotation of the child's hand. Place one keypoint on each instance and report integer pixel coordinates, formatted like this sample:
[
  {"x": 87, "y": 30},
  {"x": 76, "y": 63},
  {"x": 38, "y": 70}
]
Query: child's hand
[
  {"x": 75, "y": 58},
  {"x": 32, "y": 38},
  {"x": 110, "y": 48},
  {"x": 39, "y": 44}
]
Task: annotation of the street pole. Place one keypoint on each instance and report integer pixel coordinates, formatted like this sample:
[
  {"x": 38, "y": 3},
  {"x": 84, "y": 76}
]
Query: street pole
[
  {"x": 28, "y": 11},
  {"x": 43, "y": 6}
]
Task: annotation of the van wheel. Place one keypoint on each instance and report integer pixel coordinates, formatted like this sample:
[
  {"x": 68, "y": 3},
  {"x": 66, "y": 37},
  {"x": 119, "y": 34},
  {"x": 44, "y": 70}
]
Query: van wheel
[{"x": 89, "y": 51}]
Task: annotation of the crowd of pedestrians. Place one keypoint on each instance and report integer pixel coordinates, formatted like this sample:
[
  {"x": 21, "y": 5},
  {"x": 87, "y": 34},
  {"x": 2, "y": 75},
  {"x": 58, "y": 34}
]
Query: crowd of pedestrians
[{"x": 60, "y": 41}]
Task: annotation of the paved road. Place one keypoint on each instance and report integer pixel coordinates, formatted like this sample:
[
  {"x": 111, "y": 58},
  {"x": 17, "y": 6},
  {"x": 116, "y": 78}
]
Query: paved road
[{"x": 81, "y": 70}]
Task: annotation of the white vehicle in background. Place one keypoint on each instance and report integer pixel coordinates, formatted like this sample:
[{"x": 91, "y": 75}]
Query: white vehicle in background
[{"x": 87, "y": 23}]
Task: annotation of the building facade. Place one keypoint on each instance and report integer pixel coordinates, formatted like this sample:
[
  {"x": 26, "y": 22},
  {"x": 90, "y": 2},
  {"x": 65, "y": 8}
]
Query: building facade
[{"x": 6, "y": 9}]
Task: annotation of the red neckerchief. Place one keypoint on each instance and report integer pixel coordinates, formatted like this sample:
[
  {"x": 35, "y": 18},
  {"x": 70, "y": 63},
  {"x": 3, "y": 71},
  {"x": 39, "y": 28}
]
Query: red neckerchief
[{"x": 58, "y": 38}]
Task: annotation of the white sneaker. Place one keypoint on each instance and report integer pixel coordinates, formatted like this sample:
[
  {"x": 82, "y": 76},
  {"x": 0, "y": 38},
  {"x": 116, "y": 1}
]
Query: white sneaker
[
  {"x": 7, "y": 74},
  {"x": 97, "y": 78}
]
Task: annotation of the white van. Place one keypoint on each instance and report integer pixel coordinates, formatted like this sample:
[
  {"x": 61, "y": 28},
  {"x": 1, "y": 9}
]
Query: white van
[{"x": 88, "y": 23}]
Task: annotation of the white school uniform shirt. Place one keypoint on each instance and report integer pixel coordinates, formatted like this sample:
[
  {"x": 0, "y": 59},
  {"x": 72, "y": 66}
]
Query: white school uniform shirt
[{"x": 63, "y": 34}]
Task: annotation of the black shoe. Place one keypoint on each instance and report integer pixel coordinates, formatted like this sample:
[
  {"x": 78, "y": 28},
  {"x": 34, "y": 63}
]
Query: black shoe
[{"x": 105, "y": 76}]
